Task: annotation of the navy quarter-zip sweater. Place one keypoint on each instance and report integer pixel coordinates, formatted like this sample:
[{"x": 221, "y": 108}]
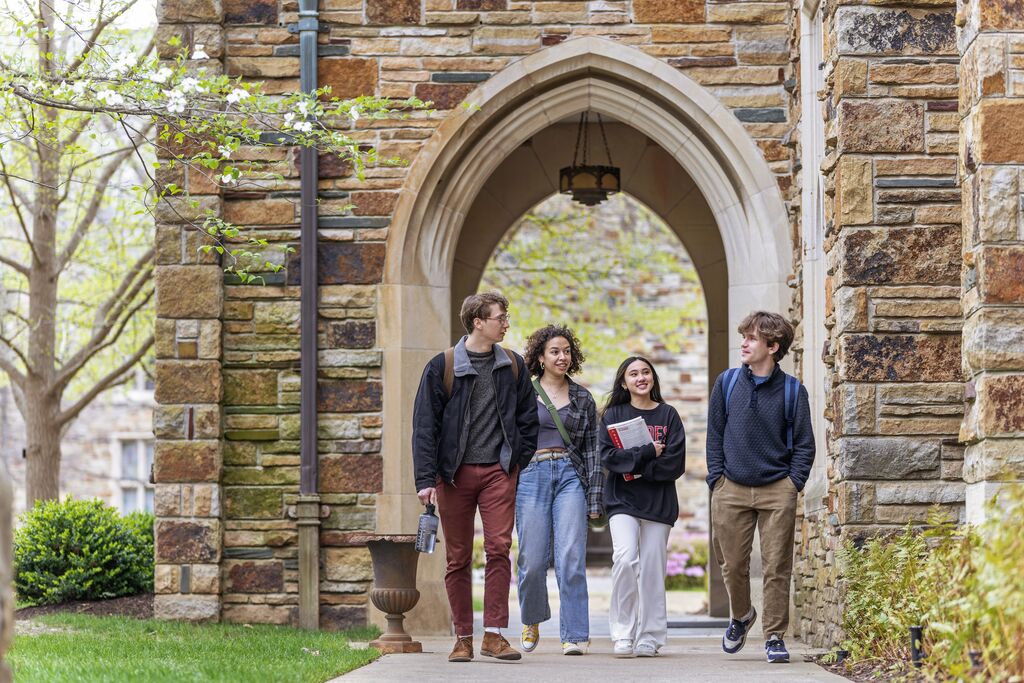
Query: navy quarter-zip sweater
[{"x": 750, "y": 447}]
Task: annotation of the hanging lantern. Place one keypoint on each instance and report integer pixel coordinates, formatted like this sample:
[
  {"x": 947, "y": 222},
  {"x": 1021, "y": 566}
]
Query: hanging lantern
[{"x": 589, "y": 184}]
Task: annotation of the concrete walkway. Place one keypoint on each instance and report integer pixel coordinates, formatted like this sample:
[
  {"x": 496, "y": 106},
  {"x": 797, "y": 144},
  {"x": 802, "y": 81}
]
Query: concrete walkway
[{"x": 685, "y": 658}]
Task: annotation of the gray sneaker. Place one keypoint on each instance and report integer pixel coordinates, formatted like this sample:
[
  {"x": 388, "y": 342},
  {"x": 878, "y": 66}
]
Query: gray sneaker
[
  {"x": 623, "y": 648},
  {"x": 736, "y": 635},
  {"x": 645, "y": 649}
]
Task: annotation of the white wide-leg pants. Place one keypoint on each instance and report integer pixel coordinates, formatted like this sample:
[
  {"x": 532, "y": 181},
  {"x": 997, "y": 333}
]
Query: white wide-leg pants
[{"x": 639, "y": 550}]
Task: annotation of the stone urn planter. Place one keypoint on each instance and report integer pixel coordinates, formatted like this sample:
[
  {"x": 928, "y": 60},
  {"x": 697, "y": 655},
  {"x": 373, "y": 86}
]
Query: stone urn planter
[{"x": 394, "y": 588}]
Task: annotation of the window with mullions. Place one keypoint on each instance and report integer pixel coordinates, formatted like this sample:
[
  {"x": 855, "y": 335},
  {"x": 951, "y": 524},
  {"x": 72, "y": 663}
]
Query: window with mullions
[{"x": 134, "y": 462}]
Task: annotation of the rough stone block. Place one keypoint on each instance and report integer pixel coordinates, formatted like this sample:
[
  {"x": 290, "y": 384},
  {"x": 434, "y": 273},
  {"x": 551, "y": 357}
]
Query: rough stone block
[
  {"x": 856, "y": 502},
  {"x": 351, "y": 334},
  {"x": 349, "y": 396},
  {"x": 994, "y": 339},
  {"x": 250, "y": 387},
  {"x": 250, "y": 11},
  {"x": 165, "y": 579},
  {"x": 348, "y": 76},
  {"x": 261, "y": 502},
  {"x": 188, "y": 381},
  {"x": 187, "y": 461},
  {"x": 1001, "y": 275},
  {"x": 895, "y": 358},
  {"x": 668, "y": 11},
  {"x": 183, "y": 542},
  {"x": 373, "y": 203},
  {"x": 255, "y": 577},
  {"x": 189, "y": 11},
  {"x": 352, "y": 263},
  {"x": 261, "y": 212},
  {"x": 1002, "y": 14},
  {"x": 392, "y": 12},
  {"x": 351, "y": 474},
  {"x": 443, "y": 96},
  {"x": 994, "y": 460},
  {"x": 926, "y": 255},
  {"x": 347, "y": 564},
  {"x": 1000, "y": 406},
  {"x": 855, "y": 409},
  {"x": 999, "y": 133},
  {"x": 194, "y": 608},
  {"x": 280, "y": 615},
  {"x": 919, "y": 493},
  {"x": 996, "y": 202},
  {"x": 263, "y": 67},
  {"x": 853, "y": 200},
  {"x": 878, "y": 31},
  {"x": 767, "y": 13},
  {"x": 888, "y": 458},
  {"x": 205, "y": 579},
  {"x": 881, "y": 125},
  {"x": 189, "y": 291},
  {"x": 344, "y": 617}
]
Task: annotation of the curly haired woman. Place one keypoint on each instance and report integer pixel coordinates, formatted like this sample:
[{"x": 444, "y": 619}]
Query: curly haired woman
[{"x": 558, "y": 491}]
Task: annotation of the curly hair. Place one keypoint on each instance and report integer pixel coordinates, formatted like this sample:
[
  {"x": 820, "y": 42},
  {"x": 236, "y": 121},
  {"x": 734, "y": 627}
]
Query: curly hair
[
  {"x": 771, "y": 328},
  {"x": 538, "y": 341}
]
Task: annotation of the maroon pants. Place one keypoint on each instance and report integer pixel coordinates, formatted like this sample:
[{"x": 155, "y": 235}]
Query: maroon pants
[{"x": 488, "y": 487}]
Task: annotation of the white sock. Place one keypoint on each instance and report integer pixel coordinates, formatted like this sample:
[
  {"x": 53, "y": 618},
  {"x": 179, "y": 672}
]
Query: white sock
[
  {"x": 492, "y": 629},
  {"x": 466, "y": 636}
]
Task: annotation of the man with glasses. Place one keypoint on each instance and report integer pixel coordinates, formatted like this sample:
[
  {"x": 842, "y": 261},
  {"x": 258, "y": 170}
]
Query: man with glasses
[{"x": 474, "y": 429}]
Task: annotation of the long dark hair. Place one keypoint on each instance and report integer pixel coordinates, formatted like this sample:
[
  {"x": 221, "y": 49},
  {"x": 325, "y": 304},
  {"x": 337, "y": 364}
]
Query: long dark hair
[{"x": 620, "y": 395}]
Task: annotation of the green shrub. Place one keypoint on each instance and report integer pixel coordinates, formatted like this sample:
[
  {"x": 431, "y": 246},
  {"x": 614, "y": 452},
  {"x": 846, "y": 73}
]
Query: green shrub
[
  {"x": 964, "y": 585},
  {"x": 81, "y": 550}
]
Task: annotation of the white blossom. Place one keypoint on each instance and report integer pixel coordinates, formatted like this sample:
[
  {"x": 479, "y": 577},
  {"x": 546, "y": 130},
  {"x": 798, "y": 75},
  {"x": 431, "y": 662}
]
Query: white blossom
[
  {"x": 225, "y": 152},
  {"x": 199, "y": 52},
  {"x": 303, "y": 107},
  {"x": 288, "y": 118},
  {"x": 79, "y": 87},
  {"x": 123, "y": 62},
  {"x": 228, "y": 179},
  {"x": 237, "y": 95},
  {"x": 159, "y": 76},
  {"x": 175, "y": 101},
  {"x": 189, "y": 84},
  {"x": 110, "y": 98},
  {"x": 303, "y": 126},
  {"x": 353, "y": 114}
]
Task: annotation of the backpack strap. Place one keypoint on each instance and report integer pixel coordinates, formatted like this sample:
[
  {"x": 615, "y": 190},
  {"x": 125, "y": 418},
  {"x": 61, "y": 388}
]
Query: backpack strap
[
  {"x": 515, "y": 364},
  {"x": 729, "y": 382},
  {"x": 449, "y": 368},
  {"x": 791, "y": 395}
]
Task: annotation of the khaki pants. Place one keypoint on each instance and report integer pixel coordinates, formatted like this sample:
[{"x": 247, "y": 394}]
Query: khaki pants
[{"x": 735, "y": 509}]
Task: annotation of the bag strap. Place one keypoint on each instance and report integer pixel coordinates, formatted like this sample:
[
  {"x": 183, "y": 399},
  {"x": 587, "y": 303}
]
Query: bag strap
[
  {"x": 551, "y": 409},
  {"x": 792, "y": 393},
  {"x": 449, "y": 368},
  {"x": 729, "y": 381}
]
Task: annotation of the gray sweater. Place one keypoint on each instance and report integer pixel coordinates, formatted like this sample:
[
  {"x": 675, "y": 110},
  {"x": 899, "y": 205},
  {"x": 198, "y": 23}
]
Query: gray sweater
[{"x": 483, "y": 444}]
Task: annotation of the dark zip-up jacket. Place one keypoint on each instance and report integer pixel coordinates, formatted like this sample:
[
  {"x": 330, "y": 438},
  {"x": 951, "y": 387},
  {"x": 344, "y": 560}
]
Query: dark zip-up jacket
[
  {"x": 749, "y": 447},
  {"x": 439, "y": 422}
]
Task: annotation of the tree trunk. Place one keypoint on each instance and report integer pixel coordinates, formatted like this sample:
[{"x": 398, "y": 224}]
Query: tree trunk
[{"x": 42, "y": 432}]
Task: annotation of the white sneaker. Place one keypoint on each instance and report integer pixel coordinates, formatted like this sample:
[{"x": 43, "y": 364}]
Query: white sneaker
[
  {"x": 623, "y": 648},
  {"x": 645, "y": 650}
]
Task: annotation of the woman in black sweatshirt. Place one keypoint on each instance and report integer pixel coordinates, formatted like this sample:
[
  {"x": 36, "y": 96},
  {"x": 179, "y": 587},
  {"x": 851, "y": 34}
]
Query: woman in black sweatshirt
[{"x": 640, "y": 500}]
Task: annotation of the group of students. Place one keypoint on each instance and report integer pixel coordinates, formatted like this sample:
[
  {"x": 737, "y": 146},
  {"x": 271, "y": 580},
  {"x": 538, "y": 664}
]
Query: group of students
[{"x": 517, "y": 439}]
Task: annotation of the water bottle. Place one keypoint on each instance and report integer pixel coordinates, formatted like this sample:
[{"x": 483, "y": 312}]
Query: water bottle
[{"x": 426, "y": 534}]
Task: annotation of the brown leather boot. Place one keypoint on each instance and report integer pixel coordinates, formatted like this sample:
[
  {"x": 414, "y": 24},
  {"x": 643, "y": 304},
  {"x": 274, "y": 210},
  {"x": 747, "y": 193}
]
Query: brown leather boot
[
  {"x": 463, "y": 650},
  {"x": 495, "y": 645}
]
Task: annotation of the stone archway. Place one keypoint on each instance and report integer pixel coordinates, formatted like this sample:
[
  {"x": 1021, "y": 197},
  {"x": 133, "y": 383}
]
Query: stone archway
[{"x": 695, "y": 131}]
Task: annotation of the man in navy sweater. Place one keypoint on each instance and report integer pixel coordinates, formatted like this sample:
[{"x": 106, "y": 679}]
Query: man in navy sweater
[{"x": 759, "y": 452}]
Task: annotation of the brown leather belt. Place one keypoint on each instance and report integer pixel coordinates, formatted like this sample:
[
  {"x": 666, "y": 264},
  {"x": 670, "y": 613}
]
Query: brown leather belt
[{"x": 549, "y": 454}]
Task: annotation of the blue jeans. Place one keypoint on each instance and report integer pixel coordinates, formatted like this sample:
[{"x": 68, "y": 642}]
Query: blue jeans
[{"x": 551, "y": 518}]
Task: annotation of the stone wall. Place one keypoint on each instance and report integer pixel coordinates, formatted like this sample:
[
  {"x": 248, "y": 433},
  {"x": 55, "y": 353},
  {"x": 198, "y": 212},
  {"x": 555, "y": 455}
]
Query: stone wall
[
  {"x": 992, "y": 164},
  {"x": 893, "y": 296},
  {"x": 226, "y": 524}
]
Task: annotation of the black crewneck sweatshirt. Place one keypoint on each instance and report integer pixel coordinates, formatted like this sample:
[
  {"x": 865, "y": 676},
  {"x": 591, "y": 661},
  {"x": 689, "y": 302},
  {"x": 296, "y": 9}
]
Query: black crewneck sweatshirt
[{"x": 652, "y": 496}]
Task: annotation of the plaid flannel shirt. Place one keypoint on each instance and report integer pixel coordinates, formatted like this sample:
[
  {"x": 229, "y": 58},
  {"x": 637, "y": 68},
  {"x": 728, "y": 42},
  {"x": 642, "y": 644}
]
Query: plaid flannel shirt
[{"x": 582, "y": 424}]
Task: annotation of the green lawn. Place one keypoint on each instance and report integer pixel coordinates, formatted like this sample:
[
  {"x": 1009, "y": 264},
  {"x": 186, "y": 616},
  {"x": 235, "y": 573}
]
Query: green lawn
[{"x": 117, "y": 649}]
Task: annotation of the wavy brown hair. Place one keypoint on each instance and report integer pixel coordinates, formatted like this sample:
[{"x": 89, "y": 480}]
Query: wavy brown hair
[{"x": 538, "y": 341}]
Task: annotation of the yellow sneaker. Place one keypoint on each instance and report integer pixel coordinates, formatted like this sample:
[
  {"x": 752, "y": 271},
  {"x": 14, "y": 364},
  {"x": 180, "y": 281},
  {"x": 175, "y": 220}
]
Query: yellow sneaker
[
  {"x": 530, "y": 637},
  {"x": 575, "y": 648}
]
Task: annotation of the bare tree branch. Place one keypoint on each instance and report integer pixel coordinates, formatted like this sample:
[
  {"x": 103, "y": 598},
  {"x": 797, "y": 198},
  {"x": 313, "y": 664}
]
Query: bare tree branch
[
  {"x": 105, "y": 383},
  {"x": 15, "y": 265},
  {"x": 17, "y": 210}
]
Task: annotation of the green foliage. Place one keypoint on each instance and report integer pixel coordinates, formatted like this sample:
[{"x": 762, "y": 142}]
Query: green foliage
[
  {"x": 88, "y": 648},
  {"x": 615, "y": 273},
  {"x": 964, "y": 585},
  {"x": 81, "y": 550}
]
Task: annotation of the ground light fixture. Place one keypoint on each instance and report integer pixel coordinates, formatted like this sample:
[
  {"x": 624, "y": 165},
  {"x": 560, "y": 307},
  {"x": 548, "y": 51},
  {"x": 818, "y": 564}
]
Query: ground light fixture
[{"x": 589, "y": 184}]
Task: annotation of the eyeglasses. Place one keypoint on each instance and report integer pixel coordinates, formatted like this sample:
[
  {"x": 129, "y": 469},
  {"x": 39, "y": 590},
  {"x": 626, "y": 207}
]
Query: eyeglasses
[{"x": 504, "y": 319}]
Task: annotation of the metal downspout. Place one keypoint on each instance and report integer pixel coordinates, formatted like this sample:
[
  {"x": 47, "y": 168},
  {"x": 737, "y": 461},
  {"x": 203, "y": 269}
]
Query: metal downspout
[{"x": 308, "y": 504}]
